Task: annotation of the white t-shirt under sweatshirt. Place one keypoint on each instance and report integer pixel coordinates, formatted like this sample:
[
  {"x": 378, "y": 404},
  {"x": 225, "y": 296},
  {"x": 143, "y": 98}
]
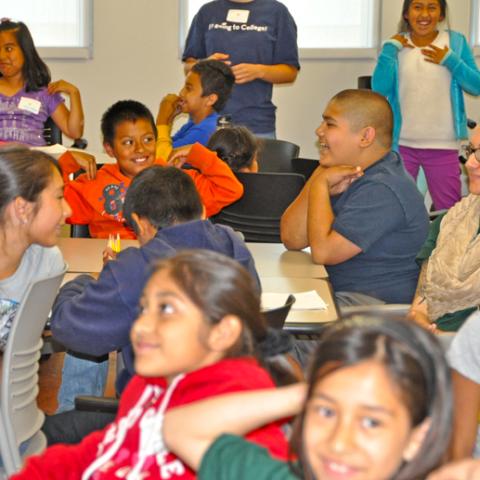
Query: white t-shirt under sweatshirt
[{"x": 424, "y": 87}]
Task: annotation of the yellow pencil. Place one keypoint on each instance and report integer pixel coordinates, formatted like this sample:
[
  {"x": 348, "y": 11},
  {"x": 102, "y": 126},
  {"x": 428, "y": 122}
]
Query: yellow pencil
[
  {"x": 114, "y": 242},
  {"x": 117, "y": 244}
]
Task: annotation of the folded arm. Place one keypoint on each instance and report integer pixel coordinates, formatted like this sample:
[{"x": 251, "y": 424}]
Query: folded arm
[
  {"x": 384, "y": 75},
  {"x": 328, "y": 247},
  {"x": 308, "y": 221},
  {"x": 293, "y": 224},
  {"x": 279, "y": 73},
  {"x": 216, "y": 183},
  {"x": 190, "y": 430},
  {"x": 70, "y": 121},
  {"x": 464, "y": 69},
  {"x": 92, "y": 316}
]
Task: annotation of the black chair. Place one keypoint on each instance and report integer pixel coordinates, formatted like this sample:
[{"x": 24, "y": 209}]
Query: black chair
[
  {"x": 365, "y": 82},
  {"x": 79, "y": 231},
  {"x": 266, "y": 196},
  {"x": 275, "y": 155},
  {"x": 304, "y": 166},
  {"x": 276, "y": 317},
  {"x": 53, "y": 135}
]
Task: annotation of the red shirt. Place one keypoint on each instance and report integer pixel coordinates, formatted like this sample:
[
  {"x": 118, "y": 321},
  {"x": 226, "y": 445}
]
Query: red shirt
[{"x": 134, "y": 440}]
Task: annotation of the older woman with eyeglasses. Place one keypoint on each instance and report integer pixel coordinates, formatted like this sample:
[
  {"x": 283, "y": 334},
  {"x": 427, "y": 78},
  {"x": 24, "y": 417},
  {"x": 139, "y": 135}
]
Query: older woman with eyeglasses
[
  {"x": 448, "y": 289},
  {"x": 448, "y": 293}
]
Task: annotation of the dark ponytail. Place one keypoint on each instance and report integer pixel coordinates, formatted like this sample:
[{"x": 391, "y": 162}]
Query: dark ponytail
[{"x": 235, "y": 145}]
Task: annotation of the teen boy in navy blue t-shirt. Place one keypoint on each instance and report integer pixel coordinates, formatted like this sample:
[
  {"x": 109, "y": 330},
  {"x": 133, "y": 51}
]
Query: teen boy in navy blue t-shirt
[{"x": 360, "y": 212}]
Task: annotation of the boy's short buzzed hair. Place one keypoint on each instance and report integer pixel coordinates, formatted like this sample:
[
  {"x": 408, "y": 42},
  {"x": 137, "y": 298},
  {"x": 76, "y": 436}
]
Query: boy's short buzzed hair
[
  {"x": 122, "y": 111},
  {"x": 164, "y": 196},
  {"x": 365, "y": 108},
  {"x": 216, "y": 77}
]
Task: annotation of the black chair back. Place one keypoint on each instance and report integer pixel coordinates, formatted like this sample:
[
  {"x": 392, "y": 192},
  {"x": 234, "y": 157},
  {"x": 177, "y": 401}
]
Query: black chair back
[
  {"x": 79, "y": 231},
  {"x": 276, "y": 316},
  {"x": 275, "y": 155},
  {"x": 365, "y": 81},
  {"x": 266, "y": 196},
  {"x": 51, "y": 133},
  {"x": 304, "y": 166}
]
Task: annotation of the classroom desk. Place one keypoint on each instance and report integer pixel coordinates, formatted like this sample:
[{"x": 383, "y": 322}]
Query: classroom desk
[
  {"x": 280, "y": 271},
  {"x": 84, "y": 255},
  {"x": 271, "y": 259},
  {"x": 304, "y": 321},
  {"x": 274, "y": 260}
]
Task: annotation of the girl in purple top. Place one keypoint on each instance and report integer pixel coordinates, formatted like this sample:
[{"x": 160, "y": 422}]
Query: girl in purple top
[{"x": 27, "y": 97}]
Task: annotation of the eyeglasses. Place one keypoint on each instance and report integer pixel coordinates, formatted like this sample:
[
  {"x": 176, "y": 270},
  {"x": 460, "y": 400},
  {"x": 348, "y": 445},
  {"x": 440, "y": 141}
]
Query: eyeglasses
[{"x": 467, "y": 150}]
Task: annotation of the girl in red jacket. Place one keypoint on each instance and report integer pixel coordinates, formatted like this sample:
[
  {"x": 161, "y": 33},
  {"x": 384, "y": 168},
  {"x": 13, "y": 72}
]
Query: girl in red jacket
[{"x": 198, "y": 335}]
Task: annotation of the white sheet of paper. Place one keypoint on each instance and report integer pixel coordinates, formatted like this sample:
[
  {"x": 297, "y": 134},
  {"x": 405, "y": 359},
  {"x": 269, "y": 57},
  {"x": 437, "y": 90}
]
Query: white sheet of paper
[
  {"x": 53, "y": 150},
  {"x": 310, "y": 300}
]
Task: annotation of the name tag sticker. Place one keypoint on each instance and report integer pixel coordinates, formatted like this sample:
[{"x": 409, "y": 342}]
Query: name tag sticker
[
  {"x": 238, "y": 16},
  {"x": 30, "y": 105}
]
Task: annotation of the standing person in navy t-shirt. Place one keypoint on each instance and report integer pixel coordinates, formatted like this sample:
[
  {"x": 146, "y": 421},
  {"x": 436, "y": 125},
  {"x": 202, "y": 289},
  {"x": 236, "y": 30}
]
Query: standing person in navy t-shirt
[{"x": 258, "y": 38}]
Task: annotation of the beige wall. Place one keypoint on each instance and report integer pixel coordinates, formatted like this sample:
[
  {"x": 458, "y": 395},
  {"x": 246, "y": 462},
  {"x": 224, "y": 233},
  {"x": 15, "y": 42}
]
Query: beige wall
[{"x": 135, "y": 55}]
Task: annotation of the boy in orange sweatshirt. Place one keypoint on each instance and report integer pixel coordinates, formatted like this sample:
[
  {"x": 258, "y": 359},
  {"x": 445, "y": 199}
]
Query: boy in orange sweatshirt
[{"x": 129, "y": 136}]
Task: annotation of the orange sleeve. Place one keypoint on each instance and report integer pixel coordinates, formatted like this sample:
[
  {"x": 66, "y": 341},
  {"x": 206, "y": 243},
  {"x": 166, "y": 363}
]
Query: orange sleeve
[
  {"x": 82, "y": 211},
  {"x": 68, "y": 165},
  {"x": 216, "y": 183}
]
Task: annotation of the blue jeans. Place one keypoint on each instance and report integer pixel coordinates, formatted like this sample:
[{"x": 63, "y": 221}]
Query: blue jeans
[{"x": 80, "y": 377}]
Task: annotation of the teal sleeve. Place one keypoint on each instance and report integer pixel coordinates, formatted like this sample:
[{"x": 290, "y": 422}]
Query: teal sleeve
[
  {"x": 431, "y": 241},
  {"x": 231, "y": 457},
  {"x": 384, "y": 75},
  {"x": 463, "y": 68}
]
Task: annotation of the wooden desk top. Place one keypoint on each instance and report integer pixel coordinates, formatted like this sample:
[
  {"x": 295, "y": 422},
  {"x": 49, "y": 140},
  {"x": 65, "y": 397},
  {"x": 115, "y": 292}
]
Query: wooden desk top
[
  {"x": 84, "y": 255},
  {"x": 280, "y": 271},
  {"x": 271, "y": 259},
  {"x": 274, "y": 260}
]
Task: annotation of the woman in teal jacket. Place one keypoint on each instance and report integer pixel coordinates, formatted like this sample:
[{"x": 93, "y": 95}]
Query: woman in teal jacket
[{"x": 423, "y": 72}]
